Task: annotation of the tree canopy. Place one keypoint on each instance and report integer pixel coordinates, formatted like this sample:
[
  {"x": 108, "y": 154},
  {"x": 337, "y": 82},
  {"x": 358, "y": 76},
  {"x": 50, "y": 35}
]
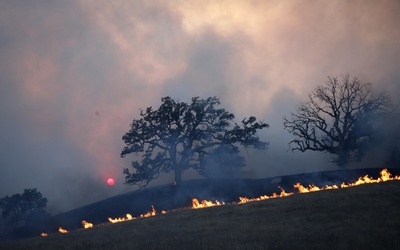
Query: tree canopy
[
  {"x": 178, "y": 136},
  {"x": 19, "y": 207},
  {"x": 339, "y": 117}
]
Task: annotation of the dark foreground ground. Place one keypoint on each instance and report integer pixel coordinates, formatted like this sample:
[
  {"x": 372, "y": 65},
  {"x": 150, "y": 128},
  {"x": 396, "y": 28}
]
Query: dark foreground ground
[{"x": 362, "y": 217}]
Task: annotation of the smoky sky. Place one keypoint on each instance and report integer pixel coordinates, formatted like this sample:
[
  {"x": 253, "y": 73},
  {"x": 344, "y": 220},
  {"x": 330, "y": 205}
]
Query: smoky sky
[{"x": 73, "y": 75}]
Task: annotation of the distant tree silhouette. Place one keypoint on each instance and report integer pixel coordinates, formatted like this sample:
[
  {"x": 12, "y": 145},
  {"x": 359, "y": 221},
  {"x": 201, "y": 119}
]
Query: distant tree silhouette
[
  {"x": 18, "y": 208},
  {"x": 340, "y": 118},
  {"x": 178, "y": 136}
]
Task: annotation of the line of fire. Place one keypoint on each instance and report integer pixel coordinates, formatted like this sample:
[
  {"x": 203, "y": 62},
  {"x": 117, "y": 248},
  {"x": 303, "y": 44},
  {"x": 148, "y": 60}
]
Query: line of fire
[{"x": 385, "y": 175}]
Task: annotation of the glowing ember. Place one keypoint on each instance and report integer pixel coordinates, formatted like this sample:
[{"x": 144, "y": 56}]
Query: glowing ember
[
  {"x": 44, "y": 234},
  {"x": 163, "y": 212},
  {"x": 196, "y": 204},
  {"x": 116, "y": 220},
  {"x": 87, "y": 224},
  {"x": 62, "y": 230}
]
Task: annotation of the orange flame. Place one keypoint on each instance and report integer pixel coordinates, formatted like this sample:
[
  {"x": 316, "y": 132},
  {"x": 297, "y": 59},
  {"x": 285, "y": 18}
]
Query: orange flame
[
  {"x": 264, "y": 197},
  {"x": 150, "y": 213},
  {"x": 312, "y": 188},
  {"x": 62, "y": 230},
  {"x": 86, "y": 224},
  {"x": 44, "y": 234},
  {"x": 121, "y": 219},
  {"x": 196, "y": 204},
  {"x": 385, "y": 176}
]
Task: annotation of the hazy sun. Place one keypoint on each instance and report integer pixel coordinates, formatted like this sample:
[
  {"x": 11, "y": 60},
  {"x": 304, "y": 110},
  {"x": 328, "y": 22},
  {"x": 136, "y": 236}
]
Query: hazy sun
[{"x": 110, "y": 182}]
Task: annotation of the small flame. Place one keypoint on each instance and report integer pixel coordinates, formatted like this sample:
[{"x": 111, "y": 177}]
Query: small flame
[
  {"x": 196, "y": 204},
  {"x": 128, "y": 217},
  {"x": 62, "y": 230},
  {"x": 153, "y": 212},
  {"x": 163, "y": 212},
  {"x": 386, "y": 176},
  {"x": 264, "y": 197},
  {"x": 121, "y": 219},
  {"x": 86, "y": 224},
  {"x": 312, "y": 188},
  {"x": 44, "y": 234}
]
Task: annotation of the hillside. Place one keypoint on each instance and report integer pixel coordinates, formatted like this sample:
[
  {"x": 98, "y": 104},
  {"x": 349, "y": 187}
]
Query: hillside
[
  {"x": 169, "y": 197},
  {"x": 366, "y": 216}
]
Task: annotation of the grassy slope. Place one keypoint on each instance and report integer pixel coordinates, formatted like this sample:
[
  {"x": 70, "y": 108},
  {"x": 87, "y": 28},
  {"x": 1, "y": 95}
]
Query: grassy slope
[
  {"x": 366, "y": 216},
  {"x": 168, "y": 197}
]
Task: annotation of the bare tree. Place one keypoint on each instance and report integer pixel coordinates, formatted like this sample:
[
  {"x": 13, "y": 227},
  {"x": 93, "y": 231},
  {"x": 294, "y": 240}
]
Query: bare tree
[{"x": 339, "y": 117}]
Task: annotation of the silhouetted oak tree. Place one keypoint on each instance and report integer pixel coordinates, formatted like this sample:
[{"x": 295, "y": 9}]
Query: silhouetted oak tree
[
  {"x": 178, "y": 136},
  {"x": 19, "y": 207},
  {"x": 339, "y": 118}
]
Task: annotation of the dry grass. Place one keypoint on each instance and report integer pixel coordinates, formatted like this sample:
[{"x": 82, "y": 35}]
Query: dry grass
[{"x": 363, "y": 217}]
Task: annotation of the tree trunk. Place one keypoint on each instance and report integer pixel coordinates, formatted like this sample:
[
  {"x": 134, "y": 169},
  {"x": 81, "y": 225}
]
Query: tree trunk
[
  {"x": 342, "y": 159},
  {"x": 178, "y": 176}
]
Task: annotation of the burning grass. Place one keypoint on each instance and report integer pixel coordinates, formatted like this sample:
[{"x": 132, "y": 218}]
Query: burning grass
[
  {"x": 197, "y": 204},
  {"x": 86, "y": 224},
  {"x": 366, "y": 216},
  {"x": 62, "y": 230},
  {"x": 385, "y": 175}
]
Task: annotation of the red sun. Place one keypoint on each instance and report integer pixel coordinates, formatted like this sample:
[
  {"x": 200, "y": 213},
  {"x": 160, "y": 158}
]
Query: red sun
[{"x": 110, "y": 182}]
